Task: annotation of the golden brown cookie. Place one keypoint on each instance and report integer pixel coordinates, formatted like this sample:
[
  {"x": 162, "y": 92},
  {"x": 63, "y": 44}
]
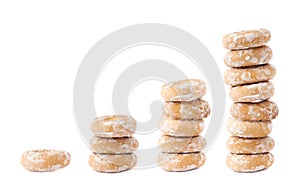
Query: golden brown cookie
[
  {"x": 170, "y": 144},
  {"x": 261, "y": 111},
  {"x": 196, "y": 109},
  {"x": 184, "y": 90},
  {"x": 242, "y": 76},
  {"x": 124, "y": 145},
  {"x": 113, "y": 126},
  {"x": 180, "y": 162},
  {"x": 252, "y": 93},
  {"x": 249, "y": 129},
  {"x": 181, "y": 128},
  {"x": 248, "y": 57},
  {"x": 249, "y": 163},
  {"x": 246, "y": 39},
  {"x": 237, "y": 145},
  {"x": 112, "y": 163},
  {"x": 45, "y": 160}
]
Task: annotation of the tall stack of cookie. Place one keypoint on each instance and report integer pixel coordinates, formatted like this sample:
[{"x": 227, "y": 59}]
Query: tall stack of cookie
[
  {"x": 113, "y": 144},
  {"x": 252, "y": 111},
  {"x": 184, "y": 111}
]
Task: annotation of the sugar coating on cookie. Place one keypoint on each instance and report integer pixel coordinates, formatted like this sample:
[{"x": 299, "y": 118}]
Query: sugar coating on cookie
[
  {"x": 238, "y": 145},
  {"x": 252, "y": 92},
  {"x": 246, "y": 39},
  {"x": 170, "y": 144},
  {"x": 249, "y": 163},
  {"x": 181, "y": 128},
  {"x": 248, "y": 57},
  {"x": 197, "y": 109},
  {"x": 242, "y": 76},
  {"x": 122, "y": 145},
  {"x": 113, "y": 126},
  {"x": 180, "y": 162},
  {"x": 183, "y": 90},
  {"x": 45, "y": 160},
  {"x": 112, "y": 163},
  {"x": 249, "y": 129},
  {"x": 261, "y": 111}
]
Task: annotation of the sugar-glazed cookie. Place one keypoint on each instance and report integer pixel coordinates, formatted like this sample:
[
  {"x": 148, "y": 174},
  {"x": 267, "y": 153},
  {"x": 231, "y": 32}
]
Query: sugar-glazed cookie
[
  {"x": 249, "y": 129},
  {"x": 253, "y": 92},
  {"x": 249, "y": 163},
  {"x": 239, "y": 145},
  {"x": 180, "y": 162},
  {"x": 242, "y": 76},
  {"x": 170, "y": 144},
  {"x": 113, "y": 126},
  {"x": 249, "y": 57},
  {"x": 124, "y": 145},
  {"x": 196, "y": 109},
  {"x": 262, "y": 111},
  {"x": 183, "y": 90},
  {"x": 246, "y": 39},
  {"x": 112, "y": 163},
  {"x": 181, "y": 128},
  {"x": 45, "y": 160}
]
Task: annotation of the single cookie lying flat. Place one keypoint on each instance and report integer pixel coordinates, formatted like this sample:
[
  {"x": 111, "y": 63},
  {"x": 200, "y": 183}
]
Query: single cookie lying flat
[{"x": 45, "y": 160}]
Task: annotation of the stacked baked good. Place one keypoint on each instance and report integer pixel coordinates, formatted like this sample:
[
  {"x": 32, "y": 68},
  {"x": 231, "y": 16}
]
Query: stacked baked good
[
  {"x": 113, "y": 144},
  {"x": 184, "y": 111},
  {"x": 252, "y": 111}
]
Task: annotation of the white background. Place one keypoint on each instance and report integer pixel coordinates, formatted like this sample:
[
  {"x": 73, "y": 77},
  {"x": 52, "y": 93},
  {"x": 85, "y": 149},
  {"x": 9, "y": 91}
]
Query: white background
[{"x": 42, "y": 45}]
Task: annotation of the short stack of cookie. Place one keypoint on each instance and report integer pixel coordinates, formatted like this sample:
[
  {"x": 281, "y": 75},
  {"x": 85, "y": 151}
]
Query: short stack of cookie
[
  {"x": 113, "y": 144},
  {"x": 252, "y": 111},
  {"x": 184, "y": 111}
]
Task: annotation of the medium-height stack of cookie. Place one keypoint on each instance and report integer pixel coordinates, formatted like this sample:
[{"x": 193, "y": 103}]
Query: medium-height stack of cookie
[
  {"x": 252, "y": 111},
  {"x": 184, "y": 111},
  {"x": 113, "y": 144}
]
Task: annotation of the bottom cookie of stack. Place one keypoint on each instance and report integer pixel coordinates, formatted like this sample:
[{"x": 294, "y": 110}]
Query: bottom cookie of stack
[
  {"x": 112, "y": 163},
  {"x": 250, "y": 162},
  {"x": 181, "y": 162}
]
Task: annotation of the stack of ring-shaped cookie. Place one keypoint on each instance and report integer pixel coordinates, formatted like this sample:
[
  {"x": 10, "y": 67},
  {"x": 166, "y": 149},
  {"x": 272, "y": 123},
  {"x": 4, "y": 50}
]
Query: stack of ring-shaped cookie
[
  {"x": 112, "y": 144},
  {"x": 252, "y": 111},
  {"x": 184, "y": 111}
]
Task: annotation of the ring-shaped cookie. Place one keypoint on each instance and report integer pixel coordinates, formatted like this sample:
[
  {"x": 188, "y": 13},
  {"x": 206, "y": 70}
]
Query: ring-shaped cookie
[
  {"x": 196, "y": 109},
  {"x": 261, "y": 111},
  {"x": 237, "y": 145},
  {"x": 249, "y": 163},
  {"x": 170, "y": 144},
  {"x": 248, "y": 57},
  {"x": 113, "y": 126},
  {"x": 246, "y": 39},
  {"x": 45, "y": 160},
  {"x": 180, "y": 162},
  {"x": 183, "y": 90},
  {"x": 249, "y": 129},
  {"x": 252, "y": 93},
  {"x": 242, "y": 76},
  {"x": 112, "y": 163}
]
